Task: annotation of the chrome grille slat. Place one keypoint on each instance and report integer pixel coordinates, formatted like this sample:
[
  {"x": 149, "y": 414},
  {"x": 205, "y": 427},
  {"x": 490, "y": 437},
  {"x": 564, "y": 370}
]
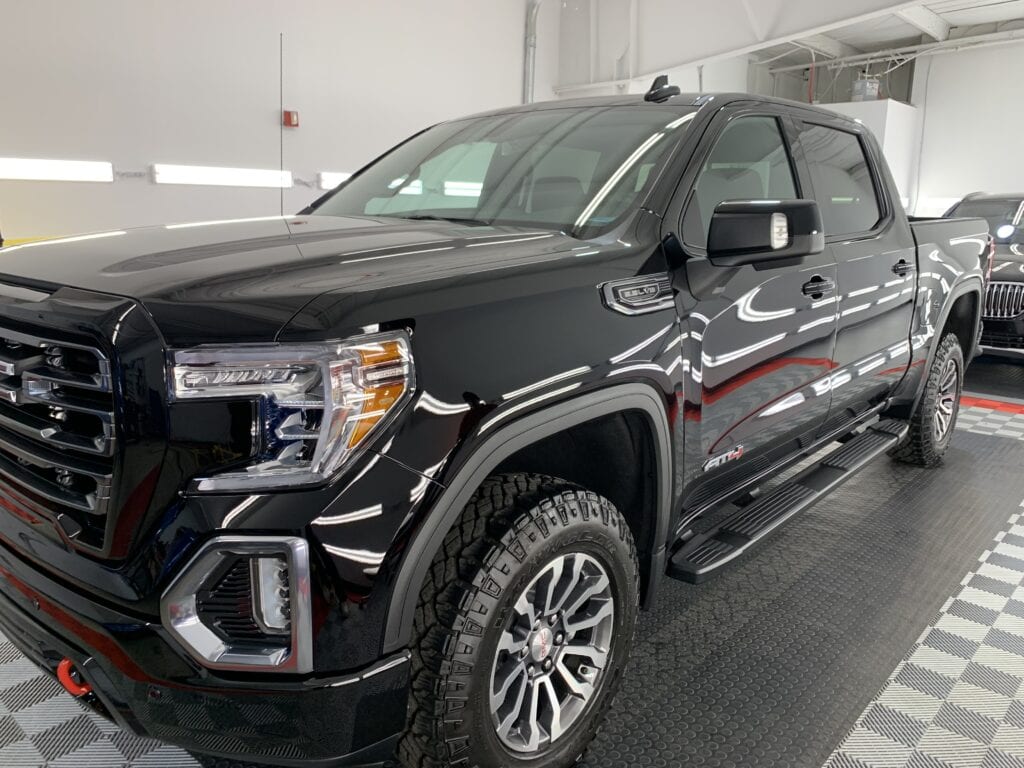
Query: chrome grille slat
[
  {"x": 14, "y": 361},
  {"x": 51, "y": 375},
  {"x": 10, "y": 391},
  {"x": 69, "y": 403},
  {"x": 49, "y": 458},
  {"x": 89, "y": 503},
  {"x": 57, "y": 431},
  {"x": 1004, "y": 301},
  {"x": 41, "y": 429}
]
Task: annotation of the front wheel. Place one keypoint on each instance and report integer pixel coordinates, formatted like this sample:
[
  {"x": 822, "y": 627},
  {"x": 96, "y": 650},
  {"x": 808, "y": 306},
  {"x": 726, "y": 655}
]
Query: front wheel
[
  {"x": 931, "y": 426},
  {"x": 523, "y": 627}
]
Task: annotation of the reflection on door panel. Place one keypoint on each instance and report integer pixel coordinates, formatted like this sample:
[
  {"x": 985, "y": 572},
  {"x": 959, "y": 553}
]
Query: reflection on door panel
[
  {"x": 758, "y": 347},
  {"x": 875, "y": 297}
]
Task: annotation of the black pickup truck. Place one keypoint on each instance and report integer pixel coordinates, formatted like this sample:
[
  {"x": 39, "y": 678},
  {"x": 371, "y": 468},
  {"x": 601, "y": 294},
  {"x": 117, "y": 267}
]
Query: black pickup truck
[{"x": 395, "y": 475}]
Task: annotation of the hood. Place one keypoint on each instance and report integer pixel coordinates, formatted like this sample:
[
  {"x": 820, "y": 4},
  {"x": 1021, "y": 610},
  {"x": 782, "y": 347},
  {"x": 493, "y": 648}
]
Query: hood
[
  {"x": 1008, "y": 264},
  {"x": 243, "y": 280}
]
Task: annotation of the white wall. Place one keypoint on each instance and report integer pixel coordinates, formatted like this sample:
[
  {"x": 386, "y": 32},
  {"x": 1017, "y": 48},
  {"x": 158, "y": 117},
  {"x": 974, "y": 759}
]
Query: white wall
[
  {"x": 197, "y": 82},
  {"x": 973, "y": 115},
  {"x": 727, "y": 75},
  {"x": 897, "y": 127}
]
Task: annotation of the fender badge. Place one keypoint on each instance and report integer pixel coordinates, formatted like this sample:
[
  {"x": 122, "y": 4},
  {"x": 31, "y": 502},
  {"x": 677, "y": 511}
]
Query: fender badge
[
  {"x": 639, "y": 295},
  {"x": 716, "y": 461}
]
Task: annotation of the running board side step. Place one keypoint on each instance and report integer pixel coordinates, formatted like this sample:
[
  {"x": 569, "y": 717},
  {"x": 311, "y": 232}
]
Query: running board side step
[{"x": 706, "y": 552}]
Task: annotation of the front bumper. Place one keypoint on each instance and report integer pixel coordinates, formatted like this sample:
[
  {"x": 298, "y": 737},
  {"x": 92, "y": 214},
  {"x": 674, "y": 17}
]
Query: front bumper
[
  {"x": 148, "y": 686},
  {"x": 1003, "y": 337}
]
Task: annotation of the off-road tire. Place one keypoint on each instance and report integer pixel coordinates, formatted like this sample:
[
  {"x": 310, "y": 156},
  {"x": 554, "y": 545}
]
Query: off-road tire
[
  {"x": 513, "y": 525},
  {"x": 921, "y": 446}
]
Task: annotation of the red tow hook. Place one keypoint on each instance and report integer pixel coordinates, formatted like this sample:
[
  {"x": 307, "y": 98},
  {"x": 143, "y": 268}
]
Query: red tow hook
[{"x": 66, "y": 673}]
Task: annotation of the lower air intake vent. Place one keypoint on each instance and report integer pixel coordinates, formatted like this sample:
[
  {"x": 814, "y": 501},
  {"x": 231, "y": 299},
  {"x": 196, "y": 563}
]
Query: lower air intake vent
[
  {"x": 227, "y": 607},
  {"x": 1002, "y": 340}
]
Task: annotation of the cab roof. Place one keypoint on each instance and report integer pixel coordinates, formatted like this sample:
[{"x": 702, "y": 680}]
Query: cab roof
[
  {"x": 1012, "y": 196},
  {"x": 685, "y": 101}
]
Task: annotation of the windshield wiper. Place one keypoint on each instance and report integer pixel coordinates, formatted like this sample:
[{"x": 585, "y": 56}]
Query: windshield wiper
[{"x": 435, "y": 217}]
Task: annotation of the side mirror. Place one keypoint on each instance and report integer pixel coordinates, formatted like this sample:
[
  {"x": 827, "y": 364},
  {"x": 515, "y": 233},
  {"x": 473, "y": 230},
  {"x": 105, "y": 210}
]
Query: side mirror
[{"x": 756, "y": 231}]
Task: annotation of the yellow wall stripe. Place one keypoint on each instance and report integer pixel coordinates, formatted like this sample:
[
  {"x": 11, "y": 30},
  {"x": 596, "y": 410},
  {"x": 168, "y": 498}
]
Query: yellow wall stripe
[{"x": 19, "y": 241}]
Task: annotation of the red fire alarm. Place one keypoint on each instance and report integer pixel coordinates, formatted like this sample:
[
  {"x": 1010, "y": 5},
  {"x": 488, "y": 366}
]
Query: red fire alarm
[{"x": 291, "y": 119}]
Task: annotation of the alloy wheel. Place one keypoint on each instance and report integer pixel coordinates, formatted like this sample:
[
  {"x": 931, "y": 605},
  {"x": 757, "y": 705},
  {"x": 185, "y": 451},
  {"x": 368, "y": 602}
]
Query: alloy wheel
[
  {"x": 552, "y": 653},
  {"x": 948, "y": 394}
]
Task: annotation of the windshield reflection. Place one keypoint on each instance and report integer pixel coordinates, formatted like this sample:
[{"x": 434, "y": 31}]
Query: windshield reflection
[{"x": 576, "y": 170}]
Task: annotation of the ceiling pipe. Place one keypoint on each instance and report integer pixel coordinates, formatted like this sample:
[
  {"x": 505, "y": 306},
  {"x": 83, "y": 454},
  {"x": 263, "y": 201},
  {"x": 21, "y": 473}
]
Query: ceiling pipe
[
  {"x": 530, "y": 51},
  {"x": 925, "y": 49}
]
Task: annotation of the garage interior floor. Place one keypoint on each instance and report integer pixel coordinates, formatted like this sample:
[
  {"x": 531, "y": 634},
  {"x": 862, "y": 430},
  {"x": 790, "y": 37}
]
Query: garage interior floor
[{"x": 884, "y": 627}]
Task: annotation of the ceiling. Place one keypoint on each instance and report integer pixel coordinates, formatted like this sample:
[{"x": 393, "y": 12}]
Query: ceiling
[{"x": 959, "y": 17}]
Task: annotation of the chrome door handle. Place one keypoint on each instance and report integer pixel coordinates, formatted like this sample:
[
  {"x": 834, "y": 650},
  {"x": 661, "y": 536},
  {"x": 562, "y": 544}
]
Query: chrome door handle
[{"x": 818, "y": 287}]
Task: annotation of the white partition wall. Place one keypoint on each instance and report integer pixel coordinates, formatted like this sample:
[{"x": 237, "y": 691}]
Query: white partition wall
[
  {"x": 138, "y": 82},
  {"x": 897, "y": 126},
  {"x": 973, "y": 127}
]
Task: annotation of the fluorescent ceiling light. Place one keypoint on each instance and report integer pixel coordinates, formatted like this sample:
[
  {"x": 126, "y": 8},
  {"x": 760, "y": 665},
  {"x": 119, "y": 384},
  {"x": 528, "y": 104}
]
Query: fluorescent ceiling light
[
  {"x": 28, "y": 169},
  {"x": 221, "y": 177},
  {"x": 463, "y": 188},
  {"x": 331, "y": 179}
]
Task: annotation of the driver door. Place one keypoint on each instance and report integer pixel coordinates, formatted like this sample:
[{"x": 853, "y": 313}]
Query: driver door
[{"x": 757, "y": 339}]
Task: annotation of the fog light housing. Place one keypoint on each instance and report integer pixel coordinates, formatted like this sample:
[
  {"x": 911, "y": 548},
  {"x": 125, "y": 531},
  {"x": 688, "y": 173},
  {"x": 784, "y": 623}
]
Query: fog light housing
[
  {"x": 271, "y": 594},
  {"x": 243, "y": 603}
]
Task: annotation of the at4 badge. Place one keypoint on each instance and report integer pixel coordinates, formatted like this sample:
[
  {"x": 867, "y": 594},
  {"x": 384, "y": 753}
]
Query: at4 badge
[{"x": 722, "y": 458}]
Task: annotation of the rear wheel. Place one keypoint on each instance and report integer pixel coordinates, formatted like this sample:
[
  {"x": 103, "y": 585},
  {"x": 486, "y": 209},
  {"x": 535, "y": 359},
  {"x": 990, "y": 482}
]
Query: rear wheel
[
  {"x": 933, "y": 422},
  {"x": 523, "y": 627}
]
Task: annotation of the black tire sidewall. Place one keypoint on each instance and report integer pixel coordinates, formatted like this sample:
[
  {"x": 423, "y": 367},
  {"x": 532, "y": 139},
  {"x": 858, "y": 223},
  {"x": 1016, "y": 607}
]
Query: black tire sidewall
[
  {"x": 502, "y": 569},
  {"x": 948, "y": 350}
]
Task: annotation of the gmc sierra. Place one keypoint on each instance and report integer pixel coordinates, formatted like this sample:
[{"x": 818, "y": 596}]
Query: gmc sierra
[
  {"x": 394, "y": 475},
  {"x": 1003, "y": 315}
]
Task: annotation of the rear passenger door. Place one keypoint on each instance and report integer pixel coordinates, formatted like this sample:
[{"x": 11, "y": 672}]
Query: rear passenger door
[{"x": 876, "y": 259}]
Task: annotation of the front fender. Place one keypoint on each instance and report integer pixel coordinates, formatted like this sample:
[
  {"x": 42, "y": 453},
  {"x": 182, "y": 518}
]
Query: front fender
[{"x": 502, "y": 443}]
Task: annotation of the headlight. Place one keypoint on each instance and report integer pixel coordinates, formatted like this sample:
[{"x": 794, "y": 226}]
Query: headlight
[{"x": 318, "y": 402}]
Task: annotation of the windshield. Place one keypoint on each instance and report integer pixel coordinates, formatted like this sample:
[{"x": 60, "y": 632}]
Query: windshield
[
  {"x": 575, "y": 170},
  {"x": 1003, "y": 215}
]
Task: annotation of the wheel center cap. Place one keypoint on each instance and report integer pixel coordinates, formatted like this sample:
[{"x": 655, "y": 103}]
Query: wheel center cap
[{"x": 541, "y": 643}]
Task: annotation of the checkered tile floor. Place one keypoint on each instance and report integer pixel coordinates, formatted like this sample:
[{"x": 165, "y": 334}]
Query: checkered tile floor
[
  {"x": 956, "y": 700},
  {"x": 989, "y": 421},
  {"x": 43, "y": 727}
]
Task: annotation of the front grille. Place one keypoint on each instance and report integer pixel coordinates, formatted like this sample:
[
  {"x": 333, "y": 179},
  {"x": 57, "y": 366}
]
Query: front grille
[
  {"x": 1004, "y": 300},
  {"x": 1002, "y": 340},
  {"x": 57, "y": 431}
]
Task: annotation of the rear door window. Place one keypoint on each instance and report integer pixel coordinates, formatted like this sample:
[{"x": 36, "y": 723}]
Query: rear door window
[{"x": 843, "y": 185}]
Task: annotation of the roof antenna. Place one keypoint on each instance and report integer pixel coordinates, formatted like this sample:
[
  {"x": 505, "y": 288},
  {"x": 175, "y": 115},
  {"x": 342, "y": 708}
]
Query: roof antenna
[{"x": 661, "y": 90}]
